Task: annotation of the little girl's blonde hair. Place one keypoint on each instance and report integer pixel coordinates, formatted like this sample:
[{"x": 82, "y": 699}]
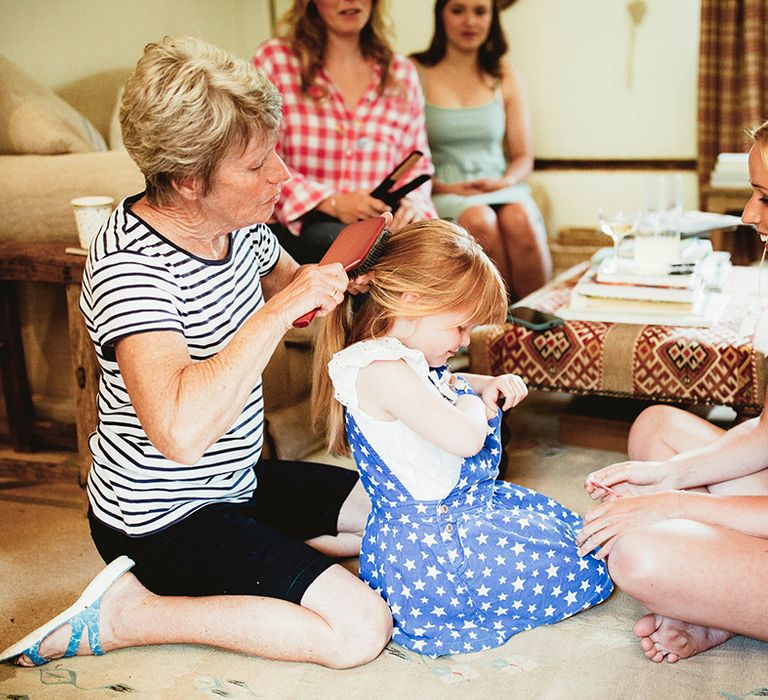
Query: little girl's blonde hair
[{"x": 443, "y": 267}]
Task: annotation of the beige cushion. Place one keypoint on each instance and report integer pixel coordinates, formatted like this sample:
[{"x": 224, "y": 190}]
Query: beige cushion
[
  {"x": 541, "y": 198},
  {"x": 94, "y": 96},
  {"x": 34, "y": 203},
  {"x": 115, "y": 136},
  {"x": 35, "y": 120}
]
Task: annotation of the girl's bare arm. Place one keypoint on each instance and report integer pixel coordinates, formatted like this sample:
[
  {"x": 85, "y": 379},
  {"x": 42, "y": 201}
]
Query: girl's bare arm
[{"x": 391, "y": 390}]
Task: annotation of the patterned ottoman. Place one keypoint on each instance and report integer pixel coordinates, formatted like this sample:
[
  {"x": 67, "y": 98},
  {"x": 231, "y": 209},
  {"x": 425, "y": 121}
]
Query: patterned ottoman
[{"x": 710, "y": 366}]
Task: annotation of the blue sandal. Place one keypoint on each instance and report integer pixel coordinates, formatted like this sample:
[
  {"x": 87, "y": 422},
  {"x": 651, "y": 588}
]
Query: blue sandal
[{"x": 82, "y": 616}]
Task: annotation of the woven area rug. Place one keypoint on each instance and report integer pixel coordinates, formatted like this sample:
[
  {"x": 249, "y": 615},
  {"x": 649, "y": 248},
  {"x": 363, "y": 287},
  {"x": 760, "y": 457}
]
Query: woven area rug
[{"x": 46, "y": 558}]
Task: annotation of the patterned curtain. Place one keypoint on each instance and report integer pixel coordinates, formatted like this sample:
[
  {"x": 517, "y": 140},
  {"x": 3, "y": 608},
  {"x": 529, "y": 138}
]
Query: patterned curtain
[{"x": 733, "y": 77}]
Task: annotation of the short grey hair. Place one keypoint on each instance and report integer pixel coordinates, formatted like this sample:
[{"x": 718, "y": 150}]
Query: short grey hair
[{"x": 186, "y": 106}]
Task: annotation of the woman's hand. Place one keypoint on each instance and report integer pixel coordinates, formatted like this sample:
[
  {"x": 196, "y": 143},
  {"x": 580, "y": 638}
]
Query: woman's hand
[
  {"x": 602, "y": 525},
  {"x": 319, "y": 287},
  {"x": 467, "y": 188},
  {"x": 408, "y": 211},
  {"x": 463, "y": 189},
  {"x": 358, "y": 205},
  {"x": 491, "y": 184},
  {"x": 631, "y": 478},
  {"x": 507, "y": 387}
]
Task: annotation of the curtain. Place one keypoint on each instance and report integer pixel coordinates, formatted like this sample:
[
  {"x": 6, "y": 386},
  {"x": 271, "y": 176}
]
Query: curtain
[{"x": 733, "y": 77}]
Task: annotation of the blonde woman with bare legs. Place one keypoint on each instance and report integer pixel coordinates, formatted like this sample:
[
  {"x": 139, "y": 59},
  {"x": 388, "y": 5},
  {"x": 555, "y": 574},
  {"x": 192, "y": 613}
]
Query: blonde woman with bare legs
[{"x": 688, "y": 536}]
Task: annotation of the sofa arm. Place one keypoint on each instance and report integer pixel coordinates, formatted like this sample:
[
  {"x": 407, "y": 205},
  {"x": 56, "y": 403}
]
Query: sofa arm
[
  {"x": 34, "y": 199},
  {"x": 287, "y": 384},
  {"x": 541, "y": 197}
]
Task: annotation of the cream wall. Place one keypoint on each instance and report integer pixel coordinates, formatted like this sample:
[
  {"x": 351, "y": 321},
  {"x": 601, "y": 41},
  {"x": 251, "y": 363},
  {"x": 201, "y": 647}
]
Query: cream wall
[
  {"x": 572, "y": 55},
  {"x": 58, "y": 41}
]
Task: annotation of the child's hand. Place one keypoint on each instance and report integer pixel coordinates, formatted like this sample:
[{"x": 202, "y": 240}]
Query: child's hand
[{"x": 506, "y": 390}]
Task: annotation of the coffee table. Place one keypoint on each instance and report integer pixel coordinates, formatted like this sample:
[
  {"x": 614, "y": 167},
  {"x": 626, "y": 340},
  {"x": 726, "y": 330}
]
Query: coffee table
[{"x": 707, "y": 366}]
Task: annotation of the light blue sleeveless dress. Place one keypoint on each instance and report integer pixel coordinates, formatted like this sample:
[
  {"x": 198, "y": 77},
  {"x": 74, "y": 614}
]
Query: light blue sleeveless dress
[
  {"x": 466, "y": 572},
  {"x": 466, "y": 144}
]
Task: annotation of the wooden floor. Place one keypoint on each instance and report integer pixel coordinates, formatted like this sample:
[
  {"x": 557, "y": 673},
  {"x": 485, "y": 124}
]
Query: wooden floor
[
  {"x": 51, "y": 465},
  {"x": 47, "y": 476},
  {"x": 44, "y": 478}
]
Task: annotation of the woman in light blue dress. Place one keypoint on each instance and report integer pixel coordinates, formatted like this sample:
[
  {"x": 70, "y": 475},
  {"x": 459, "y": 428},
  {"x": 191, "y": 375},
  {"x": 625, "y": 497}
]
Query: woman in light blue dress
[{"x": 478, "y": 127}]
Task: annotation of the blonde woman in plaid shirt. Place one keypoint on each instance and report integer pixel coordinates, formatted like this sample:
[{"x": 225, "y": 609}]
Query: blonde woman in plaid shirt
[{"x": 352, "y": 110}]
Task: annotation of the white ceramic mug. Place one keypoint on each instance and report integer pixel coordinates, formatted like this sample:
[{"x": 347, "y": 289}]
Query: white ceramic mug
[{"x": 90, "y": 215}]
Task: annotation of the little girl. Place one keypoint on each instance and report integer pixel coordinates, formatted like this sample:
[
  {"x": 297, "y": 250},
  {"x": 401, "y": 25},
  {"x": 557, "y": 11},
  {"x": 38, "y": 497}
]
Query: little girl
[{"x": 464, "y": 561}]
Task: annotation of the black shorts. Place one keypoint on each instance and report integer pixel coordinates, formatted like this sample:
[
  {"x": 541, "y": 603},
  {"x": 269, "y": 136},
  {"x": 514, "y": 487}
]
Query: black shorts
[
  {"x": 318, "y": 231},
  {"x": 254, "y": 548}
]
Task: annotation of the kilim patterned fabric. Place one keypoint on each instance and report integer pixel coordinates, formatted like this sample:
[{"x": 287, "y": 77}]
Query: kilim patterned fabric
[{"x": 711, "y": 366}]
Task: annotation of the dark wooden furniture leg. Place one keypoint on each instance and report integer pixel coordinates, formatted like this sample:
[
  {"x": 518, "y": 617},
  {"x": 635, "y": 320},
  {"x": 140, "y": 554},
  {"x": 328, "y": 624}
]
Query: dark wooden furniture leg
[
  {"x": 86, "y": 376},
  {"x": 18, "y": 403}
]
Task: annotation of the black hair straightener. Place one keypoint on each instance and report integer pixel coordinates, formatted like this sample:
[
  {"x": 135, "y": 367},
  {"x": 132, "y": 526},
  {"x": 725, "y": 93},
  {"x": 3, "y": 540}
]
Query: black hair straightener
[{"x": 384, "y": 190}]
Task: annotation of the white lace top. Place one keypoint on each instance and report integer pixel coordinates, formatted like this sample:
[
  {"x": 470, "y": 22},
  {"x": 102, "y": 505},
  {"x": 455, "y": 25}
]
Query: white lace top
[{"x": 427, "y": 471}]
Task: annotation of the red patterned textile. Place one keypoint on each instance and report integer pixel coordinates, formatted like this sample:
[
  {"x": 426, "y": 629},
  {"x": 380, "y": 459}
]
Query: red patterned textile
[{"x": 711, "y": 366}]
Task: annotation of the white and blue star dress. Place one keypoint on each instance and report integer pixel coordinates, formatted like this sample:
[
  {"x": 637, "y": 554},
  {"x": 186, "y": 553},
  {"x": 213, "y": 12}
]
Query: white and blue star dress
[{"x": 468, "y": 570}]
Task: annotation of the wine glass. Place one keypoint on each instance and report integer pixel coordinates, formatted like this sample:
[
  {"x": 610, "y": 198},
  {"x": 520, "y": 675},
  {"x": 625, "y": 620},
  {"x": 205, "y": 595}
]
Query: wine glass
[{"x": 616, "y": 225}]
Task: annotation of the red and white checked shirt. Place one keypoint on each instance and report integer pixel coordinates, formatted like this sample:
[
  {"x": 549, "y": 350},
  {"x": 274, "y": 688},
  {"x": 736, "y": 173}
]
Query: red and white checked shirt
[{"x": 329, "y": 149}]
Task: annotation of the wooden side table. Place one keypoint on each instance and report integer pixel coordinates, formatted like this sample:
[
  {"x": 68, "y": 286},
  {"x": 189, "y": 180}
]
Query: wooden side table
[
  {"x": 45, "y": 262},
  {"x": 724, "y": 200}
]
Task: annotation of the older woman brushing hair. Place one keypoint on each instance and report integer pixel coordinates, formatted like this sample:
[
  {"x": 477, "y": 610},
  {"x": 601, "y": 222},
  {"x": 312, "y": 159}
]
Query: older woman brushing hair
[
  {"x": 186, "y": 295},
  {"x": 688, "y": 537}
]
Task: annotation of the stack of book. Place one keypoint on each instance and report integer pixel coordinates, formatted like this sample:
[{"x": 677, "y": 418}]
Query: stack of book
[
  {"x": 730, "y": 171},
  {"x": 690, "y": 293}
]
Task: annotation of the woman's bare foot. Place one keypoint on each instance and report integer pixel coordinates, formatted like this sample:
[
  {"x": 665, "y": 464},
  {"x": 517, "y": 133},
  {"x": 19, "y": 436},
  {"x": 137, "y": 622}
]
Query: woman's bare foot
[
  {"x": 120, "y": 599},
  {"x": 665, "y": 639}
]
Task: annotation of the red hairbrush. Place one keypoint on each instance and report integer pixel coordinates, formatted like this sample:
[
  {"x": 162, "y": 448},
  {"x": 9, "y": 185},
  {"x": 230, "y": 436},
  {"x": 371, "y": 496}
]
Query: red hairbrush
[{"x": 357, "y": 248}]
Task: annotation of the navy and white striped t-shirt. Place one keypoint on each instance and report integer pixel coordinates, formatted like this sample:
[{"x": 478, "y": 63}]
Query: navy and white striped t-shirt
[{"x": 136, "y": 281}]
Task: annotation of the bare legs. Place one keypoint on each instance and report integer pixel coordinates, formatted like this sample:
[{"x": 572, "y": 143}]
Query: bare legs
[
  {"x": 518, "y": 248},
  {"x": 482, "y": 223},
  {"x": 352, "y": 516},
  {"x": 660, "y": 432},
  {"x": 527, "y": 249},
  {"x": 699, "y": 580},
  {"x": 340, "y": 623}
]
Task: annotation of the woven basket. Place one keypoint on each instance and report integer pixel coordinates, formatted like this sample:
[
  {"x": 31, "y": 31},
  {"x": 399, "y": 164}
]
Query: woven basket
[{"x": 574, "y": 245}]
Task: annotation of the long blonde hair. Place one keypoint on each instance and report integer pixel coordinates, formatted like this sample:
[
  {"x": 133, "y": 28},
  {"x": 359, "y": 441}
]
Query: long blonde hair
[
  {"x": 304, "y": 30},
  {"x": 448, "y": 270},
  {"x": 760, "y": 137}
]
